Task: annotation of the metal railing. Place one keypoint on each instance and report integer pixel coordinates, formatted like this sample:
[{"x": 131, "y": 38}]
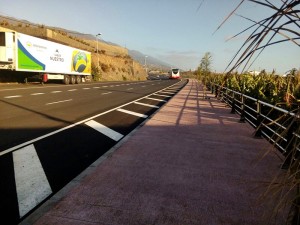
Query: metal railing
[{"x": 279, "y": 126}]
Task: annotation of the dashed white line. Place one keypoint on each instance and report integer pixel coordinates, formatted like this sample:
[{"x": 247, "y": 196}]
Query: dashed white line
[
  {"x": 13, "y": 96},
  {"x": 96, "y": 87},
  {"x": 104, "y": 130},
  {"x": 51, "y": 103},
  {"x": 132, "y": 113},
  {"x": 37, "y": 94},
  {"x": 72, "y": 90},
  {"x": 55, "y": 92},
  {"x": 152, "y": 106},
  {"x": 86, "y": 88},
  {"x": 129, "y": 89},
  {"x": 106, "y": 93}
]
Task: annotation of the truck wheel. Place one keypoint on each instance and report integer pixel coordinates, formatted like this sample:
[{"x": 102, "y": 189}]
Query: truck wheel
[
  {"x": 72, "y": 79},
  {"x": 66, "y": 79},
  {"x": 78, "y": 79}
]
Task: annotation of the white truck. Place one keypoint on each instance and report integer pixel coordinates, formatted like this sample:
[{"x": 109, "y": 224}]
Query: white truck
[{"x": 51, "y": 60}]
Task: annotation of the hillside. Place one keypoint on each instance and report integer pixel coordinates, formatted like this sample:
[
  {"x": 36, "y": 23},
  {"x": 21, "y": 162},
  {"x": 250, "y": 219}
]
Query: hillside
[{"x": 114, "y": 61}]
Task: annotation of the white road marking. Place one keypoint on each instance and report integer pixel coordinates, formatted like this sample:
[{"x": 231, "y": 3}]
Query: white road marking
[
  {"x": 106, "y": 93},
  {"x": 104, "y": 86},
  {"x": 129, "y": 89},
  {"x": 72, "y": 90},
  {"x": 13, "y": 96},
  {"x": 152, "y": 106},
  {"x": 144, "y": 86},
  {"x": 51, "y": 103},
  {"x": 168, "y": 92},
  {"x": 86, "y": 88},
  {"x": 163, "y": 95},
  {"x": 37, "y": 94},
  {"x": 132, "y": 113},
  {"x": 96, "y": 87},
  {"x": 104, "y": 130},
  {"x": 155, "y": 99},
  {"x": 31, "y": 181},
  {"x": 55, "y": 92}
]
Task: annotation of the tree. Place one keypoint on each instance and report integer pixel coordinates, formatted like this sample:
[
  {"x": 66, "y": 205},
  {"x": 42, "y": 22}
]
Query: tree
[{"x": 204, "y": 68}]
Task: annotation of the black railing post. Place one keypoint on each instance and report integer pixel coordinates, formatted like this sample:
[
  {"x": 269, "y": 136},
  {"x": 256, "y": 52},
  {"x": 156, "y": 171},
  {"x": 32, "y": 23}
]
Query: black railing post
[
  {"x": 258, "y": 120},
  {"x": 242, "y": 119},
  {"x": 233, "y": 103},
  {"x": 290, "y": 148}
]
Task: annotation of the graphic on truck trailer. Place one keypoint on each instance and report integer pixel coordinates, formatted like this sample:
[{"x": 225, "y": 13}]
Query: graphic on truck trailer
[
  {"x": 80, "y": 62},
  {"x": 35, "y": 54},
  {"x": 27, "y": 61}
]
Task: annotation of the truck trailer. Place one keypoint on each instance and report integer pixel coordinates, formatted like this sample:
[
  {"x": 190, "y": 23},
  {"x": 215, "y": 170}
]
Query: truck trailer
[{"x": 47, "y": 59}]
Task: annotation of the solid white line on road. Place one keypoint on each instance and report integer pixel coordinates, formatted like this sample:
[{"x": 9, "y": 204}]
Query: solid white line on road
[
  {"x": 13, "y": 96},
  {"x": 132, "y": 113},
  {"x": 104, "y": 130},
  {"x": 37, "y": 94},
  {"x": 31, "y": 181},
  {"x": 163, "y": 95},
  {"x": 55, "y": 92},
  {"x": 51, "y": 103},
  {"x": 106, "y": 93},
  {"x": 152, "y": 106},
  {"x": 72, "y": 90},
  {"x": 155, "y": 99}
]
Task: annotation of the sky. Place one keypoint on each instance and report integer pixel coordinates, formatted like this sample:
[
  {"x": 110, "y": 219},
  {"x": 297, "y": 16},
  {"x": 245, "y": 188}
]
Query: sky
[{"x": 178, "y": 32}]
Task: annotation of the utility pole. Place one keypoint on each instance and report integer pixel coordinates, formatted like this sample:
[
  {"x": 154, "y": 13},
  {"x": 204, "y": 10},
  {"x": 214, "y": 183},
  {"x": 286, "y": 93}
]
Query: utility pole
[{"x": 97, "y": 48}]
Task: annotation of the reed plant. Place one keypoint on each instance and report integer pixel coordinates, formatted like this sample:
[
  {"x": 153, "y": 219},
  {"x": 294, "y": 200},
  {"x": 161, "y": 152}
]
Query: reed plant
[{"x": 282, "y": 25}]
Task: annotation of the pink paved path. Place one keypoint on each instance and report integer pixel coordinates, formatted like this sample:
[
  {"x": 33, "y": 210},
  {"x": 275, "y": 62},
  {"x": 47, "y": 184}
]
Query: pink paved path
[{"x": 191, "y": 163}]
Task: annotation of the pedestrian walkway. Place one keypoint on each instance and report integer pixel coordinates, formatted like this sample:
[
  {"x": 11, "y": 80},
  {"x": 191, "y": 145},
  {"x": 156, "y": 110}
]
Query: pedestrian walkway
[{"x": 191, "y": 163}]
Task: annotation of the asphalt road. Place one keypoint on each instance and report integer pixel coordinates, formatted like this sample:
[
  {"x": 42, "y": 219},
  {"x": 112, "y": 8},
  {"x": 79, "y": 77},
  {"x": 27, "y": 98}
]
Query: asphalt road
[
  {"x": 29, "y": 112},
  {"x": 51, "y": 133}
]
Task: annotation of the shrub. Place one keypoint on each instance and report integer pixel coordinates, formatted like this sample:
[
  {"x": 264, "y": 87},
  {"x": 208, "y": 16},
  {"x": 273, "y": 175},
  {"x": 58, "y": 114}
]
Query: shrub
[{"x": 104, "y": 67}]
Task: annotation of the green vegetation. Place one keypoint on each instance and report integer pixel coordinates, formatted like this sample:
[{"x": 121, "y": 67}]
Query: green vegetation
[{"x": 270, "y": 88}]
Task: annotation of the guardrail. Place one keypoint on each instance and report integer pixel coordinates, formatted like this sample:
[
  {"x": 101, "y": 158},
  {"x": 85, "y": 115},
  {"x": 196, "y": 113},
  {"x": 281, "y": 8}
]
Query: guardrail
[{"x": 277, "y": 125}]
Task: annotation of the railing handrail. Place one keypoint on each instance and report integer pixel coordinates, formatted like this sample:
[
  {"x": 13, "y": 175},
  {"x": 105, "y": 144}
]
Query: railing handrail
[
  {"x": 271, "y": 125},
  {"x": 259, "y": 101}
]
